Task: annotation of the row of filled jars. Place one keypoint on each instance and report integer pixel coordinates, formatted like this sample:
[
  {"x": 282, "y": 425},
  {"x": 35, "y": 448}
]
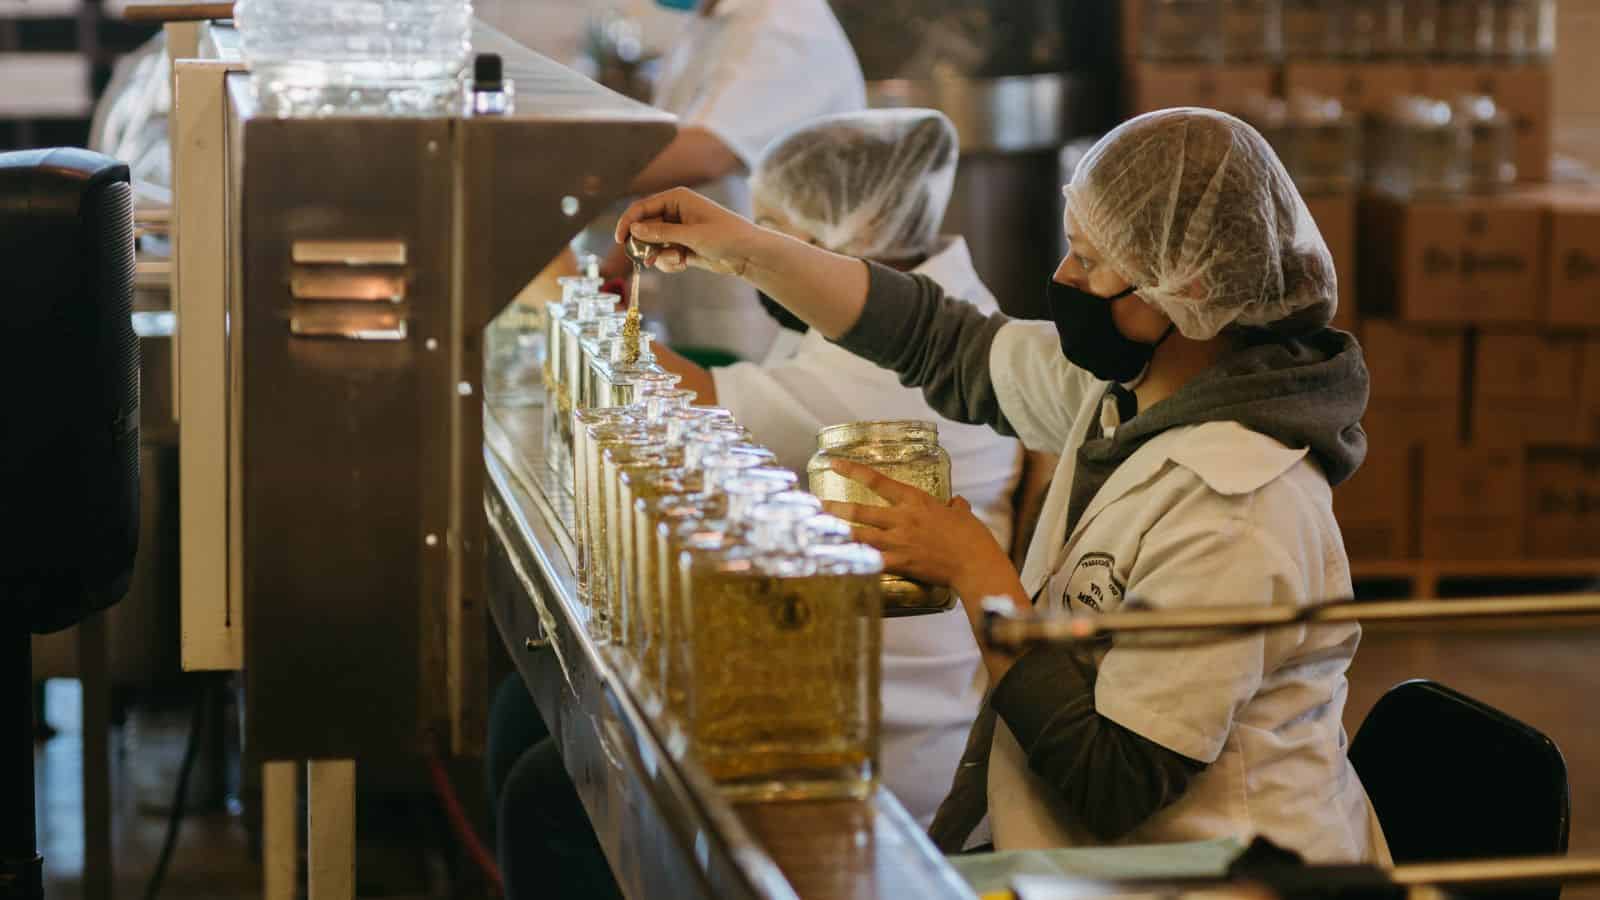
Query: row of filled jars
[
  {"x": 1416, "y": 146},
  {"x": 1269, "y": 30},
  {"x": 748, "y": 620}
]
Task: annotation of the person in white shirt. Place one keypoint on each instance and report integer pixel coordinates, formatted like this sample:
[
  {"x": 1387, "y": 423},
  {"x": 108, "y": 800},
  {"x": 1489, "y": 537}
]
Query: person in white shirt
[
  {"x": 1203, "y": 409},
  {"x": 741, "y": 73},
  {"x": 875, "y": 184}
]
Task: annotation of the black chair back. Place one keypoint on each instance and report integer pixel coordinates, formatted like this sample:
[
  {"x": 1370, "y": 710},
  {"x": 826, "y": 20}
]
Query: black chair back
[
  {"x": 69, "y": 381},
  {"x": 1452, "y": 778}
]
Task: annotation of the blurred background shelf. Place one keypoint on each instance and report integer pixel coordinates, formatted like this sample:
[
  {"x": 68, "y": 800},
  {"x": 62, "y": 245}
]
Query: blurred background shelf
[
  {"x": 38, "y": 9},
  {"x": 1428, "y": 579},
  {"x": 56, "y": 57}
]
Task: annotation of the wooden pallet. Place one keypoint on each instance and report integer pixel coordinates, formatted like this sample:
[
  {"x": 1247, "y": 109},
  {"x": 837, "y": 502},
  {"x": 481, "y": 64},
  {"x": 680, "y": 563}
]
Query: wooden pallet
[{"x": 1424, "y": 576}]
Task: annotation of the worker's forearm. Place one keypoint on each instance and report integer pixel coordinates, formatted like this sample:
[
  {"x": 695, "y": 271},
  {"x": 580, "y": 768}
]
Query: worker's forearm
[
  {"x": 694, "y": 157},
  {"x": 990, "y": 581},
  {"x": 695, "y": 378},
  {"x": 825, "y": 289}
]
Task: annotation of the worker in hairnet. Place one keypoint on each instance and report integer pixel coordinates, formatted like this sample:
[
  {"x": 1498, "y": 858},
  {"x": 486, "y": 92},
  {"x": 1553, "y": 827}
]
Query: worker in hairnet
[
  {"x": 741, "y": 73},
  {"x": 875, "y": 184},
  {"x": 1203, "y": 408}
]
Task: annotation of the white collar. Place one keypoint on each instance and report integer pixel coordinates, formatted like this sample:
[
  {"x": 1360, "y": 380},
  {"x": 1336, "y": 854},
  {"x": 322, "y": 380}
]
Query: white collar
[{"x": 1230, "y": 458}]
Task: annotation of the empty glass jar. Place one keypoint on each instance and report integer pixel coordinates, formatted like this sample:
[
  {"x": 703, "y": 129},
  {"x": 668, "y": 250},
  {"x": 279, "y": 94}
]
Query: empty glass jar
[
  {"x": 1419, "y": 29},
  {"x": 1492, "y": 165},
  {"x": 1312, "y": 29},
  {"x": 1252, "y": 30},
  {"x": 1181, "y": 31},
  {"x": 1420, "y": 147},
  {"x": 1318, "y": 141},
  {"x": 1466, "y": 29},
  {"x": 1524, "y": 30}
]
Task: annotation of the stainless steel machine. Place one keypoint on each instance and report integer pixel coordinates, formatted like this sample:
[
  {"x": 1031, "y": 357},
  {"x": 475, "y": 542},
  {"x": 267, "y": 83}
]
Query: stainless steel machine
[{"x": 334, "y": 278}]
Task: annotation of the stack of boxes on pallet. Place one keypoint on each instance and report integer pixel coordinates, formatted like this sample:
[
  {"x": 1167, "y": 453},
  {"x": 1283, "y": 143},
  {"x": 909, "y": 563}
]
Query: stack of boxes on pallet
[{"x": 1475, "y": 288}]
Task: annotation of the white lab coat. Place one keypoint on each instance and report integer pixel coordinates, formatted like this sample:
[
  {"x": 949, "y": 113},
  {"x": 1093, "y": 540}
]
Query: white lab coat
[
  {"x": 747, "y": 72},
  {"x": 933, "y": 678},
  {"x": 1212, "y": 514}
]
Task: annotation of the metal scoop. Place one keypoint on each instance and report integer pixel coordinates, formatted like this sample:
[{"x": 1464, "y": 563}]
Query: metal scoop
[{"x": 639, "y": 251}]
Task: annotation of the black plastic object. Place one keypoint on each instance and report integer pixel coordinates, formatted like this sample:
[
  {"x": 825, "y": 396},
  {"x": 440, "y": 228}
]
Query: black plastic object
[
  {"x": 69, "y": 379},
  {"x": 1455, "y": 779},
  {"x": 487, "y": 72}
]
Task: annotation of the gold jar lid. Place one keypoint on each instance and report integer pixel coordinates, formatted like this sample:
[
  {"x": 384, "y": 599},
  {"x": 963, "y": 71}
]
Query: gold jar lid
[{"x": 884, "y": 431}]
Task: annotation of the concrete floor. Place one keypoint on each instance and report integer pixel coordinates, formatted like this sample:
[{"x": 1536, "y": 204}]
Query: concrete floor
[
  {"x": 402, "y": 852},
  {"x": 1548, "y": 677}
]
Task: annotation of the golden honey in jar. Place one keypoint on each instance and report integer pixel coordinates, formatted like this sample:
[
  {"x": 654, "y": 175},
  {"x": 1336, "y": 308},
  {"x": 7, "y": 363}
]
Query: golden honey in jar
[
  {"x": 602, "y": 439},
  {"x": 603, "y": 518},
  {"x": 907, "y": 451},
  {"x": 651, "y": 493},
  {"x": 585, "y": 423},
  {"x": 785, "y": 652},
  {"x": 681, "y": 522},
  {"x": 619, "y": 464},
  {"x": 631, "y": 473}
]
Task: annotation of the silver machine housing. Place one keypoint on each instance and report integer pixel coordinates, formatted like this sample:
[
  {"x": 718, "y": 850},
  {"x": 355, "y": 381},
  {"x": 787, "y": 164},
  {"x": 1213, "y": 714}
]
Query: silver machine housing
[{"x": 335, "y": 276}]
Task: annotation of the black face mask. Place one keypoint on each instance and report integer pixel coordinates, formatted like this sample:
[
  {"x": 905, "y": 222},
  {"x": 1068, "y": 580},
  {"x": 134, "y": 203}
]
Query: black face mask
[
  {"x": 784, "y": 318},
  {"x": 1089, "y": 335}
]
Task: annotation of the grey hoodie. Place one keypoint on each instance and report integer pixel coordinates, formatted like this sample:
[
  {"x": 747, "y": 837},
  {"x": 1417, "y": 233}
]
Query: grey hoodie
[{"x": 1307, "y": 391}]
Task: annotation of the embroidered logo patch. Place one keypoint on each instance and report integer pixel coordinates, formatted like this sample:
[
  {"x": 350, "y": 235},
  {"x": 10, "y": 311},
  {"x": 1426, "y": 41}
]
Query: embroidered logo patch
[{"x": 1094, "y": 583}]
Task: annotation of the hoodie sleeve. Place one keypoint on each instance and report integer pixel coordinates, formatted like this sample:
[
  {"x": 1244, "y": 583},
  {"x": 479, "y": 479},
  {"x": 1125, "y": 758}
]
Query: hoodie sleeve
[
  {"x": 932, "y": 341},
  {"x": 1109, "y": 778}
]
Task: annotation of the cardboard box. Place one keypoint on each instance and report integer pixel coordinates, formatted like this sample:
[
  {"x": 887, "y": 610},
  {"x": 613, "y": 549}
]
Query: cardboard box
[
  {"x": 1363, "y": 88},
  {"x": 1459, "y": 260},
  {"x": 1418, "y": 383},
  {"x": 1472, "y": 502},
  {"x": 1132, "y": 14},
  {"x": 1589, "y": 393},
  {"x": 1376, "y": 508},
  {"x": 1563, "y": 507},
  {"x": 1524, "y": 91},
  {"x": 1523, "y": 385},
  {"x": 1164, "y": 85},
  {"x": 1335, "y": 215},
  {"x": 1573, "y": 273}
]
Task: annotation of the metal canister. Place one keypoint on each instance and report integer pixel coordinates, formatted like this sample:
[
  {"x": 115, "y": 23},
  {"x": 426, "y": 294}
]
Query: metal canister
[{"x": 907, "y": 451}]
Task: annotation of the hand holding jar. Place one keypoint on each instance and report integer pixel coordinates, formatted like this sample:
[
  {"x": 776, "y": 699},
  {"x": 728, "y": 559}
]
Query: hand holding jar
[{"x": 921, "y": 537}]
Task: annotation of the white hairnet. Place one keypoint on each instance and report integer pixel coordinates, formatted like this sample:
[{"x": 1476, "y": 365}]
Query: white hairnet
[
  {"x": 1194, "y": 209},
  {"x": 872, "y": 184}
]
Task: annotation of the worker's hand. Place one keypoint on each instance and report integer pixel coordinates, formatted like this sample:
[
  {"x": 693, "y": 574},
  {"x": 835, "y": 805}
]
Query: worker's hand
[
  {"x": 692, "y": 232},
  {"x": 920, "y": 536}
]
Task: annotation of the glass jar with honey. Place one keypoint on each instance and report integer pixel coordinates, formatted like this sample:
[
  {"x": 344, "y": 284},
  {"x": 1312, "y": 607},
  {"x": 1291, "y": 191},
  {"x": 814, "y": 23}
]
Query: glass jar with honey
[
  {"x": 784, "y": 654},
  {"x": 906, "y": 451}
]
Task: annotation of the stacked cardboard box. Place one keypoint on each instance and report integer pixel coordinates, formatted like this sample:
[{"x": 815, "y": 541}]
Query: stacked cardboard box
[
  {"x": 1479, "y": 315},
  {"x": 1487, "y": 364}
]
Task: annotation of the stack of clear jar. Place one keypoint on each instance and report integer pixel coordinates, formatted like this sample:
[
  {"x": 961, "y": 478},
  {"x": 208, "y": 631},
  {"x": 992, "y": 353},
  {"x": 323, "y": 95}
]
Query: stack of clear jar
[
  {"x": 1418, "y": 146},
  {"x": 1267, "y": 30},
  {"x": 1317, "y": 139}
]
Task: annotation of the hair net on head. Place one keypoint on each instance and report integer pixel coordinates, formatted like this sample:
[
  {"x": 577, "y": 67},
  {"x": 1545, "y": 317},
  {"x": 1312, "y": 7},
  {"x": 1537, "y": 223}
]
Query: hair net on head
[
  {"x": 872, "y": 184},
  {"x": 1194, "y": 208}
]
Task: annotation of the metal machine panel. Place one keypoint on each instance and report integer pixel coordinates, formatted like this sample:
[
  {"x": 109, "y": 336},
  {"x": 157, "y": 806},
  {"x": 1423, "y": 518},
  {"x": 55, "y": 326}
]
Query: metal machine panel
[
  {"x": 372, "y": 253},
  {"x": 337, "y": 544}
]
